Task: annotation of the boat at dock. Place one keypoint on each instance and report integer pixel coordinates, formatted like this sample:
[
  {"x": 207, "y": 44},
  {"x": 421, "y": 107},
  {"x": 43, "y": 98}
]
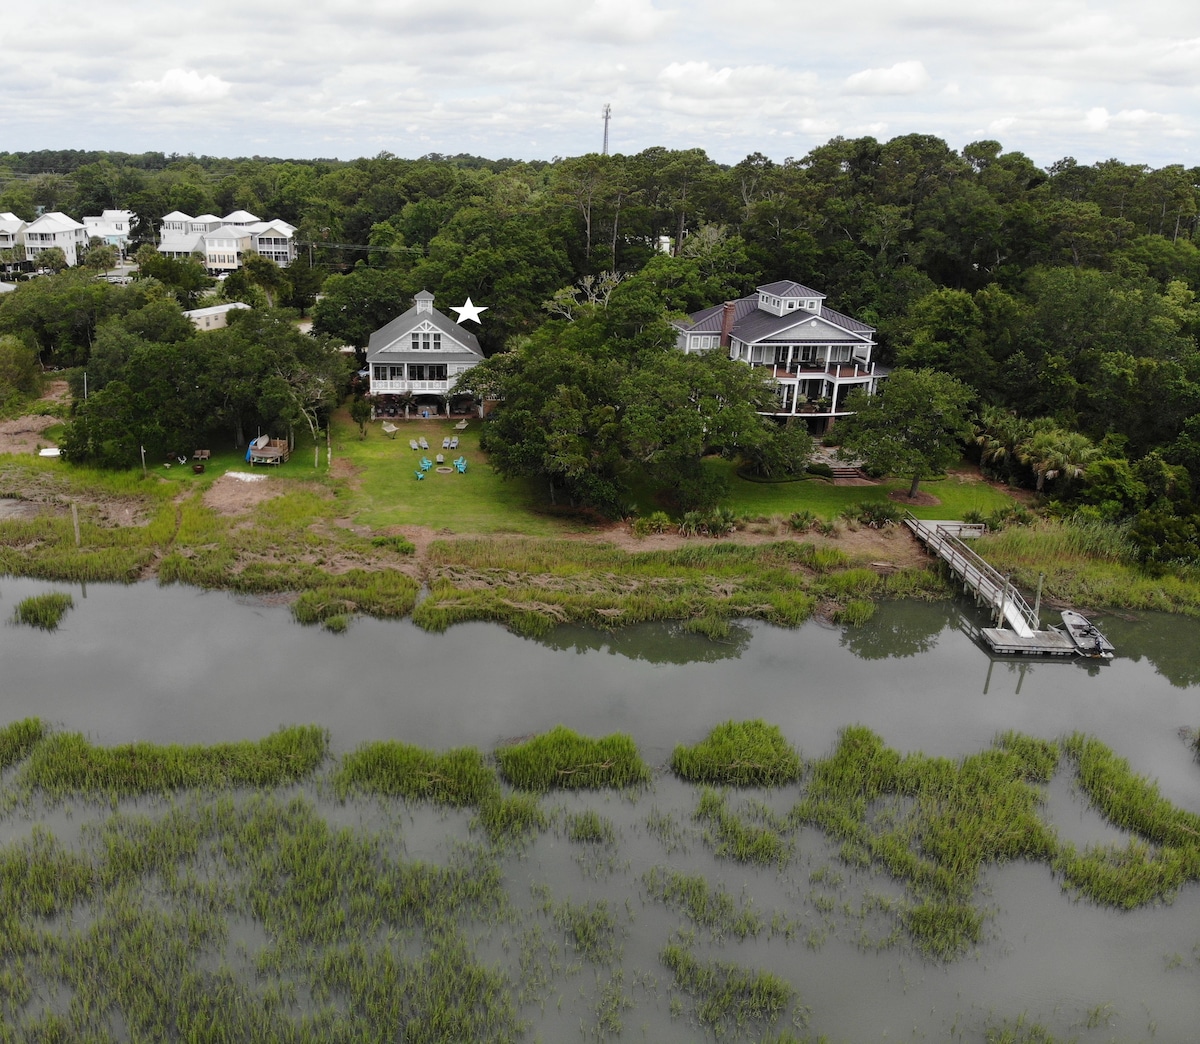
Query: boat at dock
[{"x": 1085, "y": 636}]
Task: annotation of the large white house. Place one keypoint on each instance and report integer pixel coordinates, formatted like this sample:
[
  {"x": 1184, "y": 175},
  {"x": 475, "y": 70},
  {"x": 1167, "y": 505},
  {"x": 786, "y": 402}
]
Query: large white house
[
  {"x": 112, "y": 226},
  {"x": 816, "y": 355},
  {"x": 11, "y": 228},
  {"x": 417, "y": 358},
  {"x": 54, "y": 229},
  {"x": 224, "y": 241}
]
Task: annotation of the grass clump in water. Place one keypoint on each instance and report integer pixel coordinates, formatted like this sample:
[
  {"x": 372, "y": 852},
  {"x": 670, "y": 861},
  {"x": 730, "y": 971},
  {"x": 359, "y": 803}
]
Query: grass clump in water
[
  {"x": 68, "y": 763},
  {"x": 18, "y": 739},
  {"x": 589, "y": 827},
  {"x": 590, "y": 928},
  {"x": 741, "y": 837},
  {"x": 739, "y": 754},
  {"x": 728, "y": 996},
  {"x": 563, "y": 758},
  {"x": 44, "y": 611},
  {"x": 933, "y": 822},
  {"x": 459, "y": 778},
  {"x": 1151, "y": 866},
  {"x": 710, "y": 907},
  {"x": 455, "y": 777}
]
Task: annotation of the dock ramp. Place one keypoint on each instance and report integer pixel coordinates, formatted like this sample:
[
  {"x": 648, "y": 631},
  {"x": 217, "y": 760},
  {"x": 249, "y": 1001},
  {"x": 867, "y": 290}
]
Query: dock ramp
[{"x": 945, "y": 539}]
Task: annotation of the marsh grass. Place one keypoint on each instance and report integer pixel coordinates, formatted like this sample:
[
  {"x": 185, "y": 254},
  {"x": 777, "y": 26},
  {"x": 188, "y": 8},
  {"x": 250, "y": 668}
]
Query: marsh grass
[
  {"x": 591, "y": 828},
  {"x": 456, "y": 778},
  {"x": 739, "y": 754},
  {"x": 1086, "y": 564},
  {"x": 728, "y": 997},
  {"x": 590, "y": 928},
  {"x": 1164, "y": 854},
  {"x": 67, "y": 763},
  {"x": 932, "y": 822},
  {"x": 708, "y": 906},
  {"x": 754, "y": 836},
  {"x": 45, "y": 611},
  {"x": 563, "y": 758},
  {"x": 360, "y": 943},
  {"x": 532, "y": 586},
  {"x": 18, "y": 738}
]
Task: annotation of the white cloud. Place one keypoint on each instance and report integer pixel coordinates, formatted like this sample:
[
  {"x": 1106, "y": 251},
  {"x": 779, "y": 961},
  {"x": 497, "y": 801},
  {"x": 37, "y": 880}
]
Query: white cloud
[
  {"x": 185, "y": 85},
  {"x": 623, "y": 21},
  {"x": 465, "y": 75},
  {"x": 901, "y": 78}
]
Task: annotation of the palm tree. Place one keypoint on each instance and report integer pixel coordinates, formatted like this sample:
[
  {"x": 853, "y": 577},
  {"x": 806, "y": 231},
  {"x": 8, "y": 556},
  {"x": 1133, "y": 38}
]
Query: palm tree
[
  {"x": 999, "y": 435},
  {"x": 1055, "y": 453}
]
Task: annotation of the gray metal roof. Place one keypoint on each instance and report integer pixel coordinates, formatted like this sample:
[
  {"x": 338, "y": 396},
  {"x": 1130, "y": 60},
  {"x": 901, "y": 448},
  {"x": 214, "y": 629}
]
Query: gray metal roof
[
  {"x": 403, "y": 325},
  {"x": 788, "y": 288},
  {"x": 752, "y": 324}
]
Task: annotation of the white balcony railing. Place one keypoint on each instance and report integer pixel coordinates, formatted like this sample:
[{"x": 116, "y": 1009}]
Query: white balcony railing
[{"x": 415, "y": 387}]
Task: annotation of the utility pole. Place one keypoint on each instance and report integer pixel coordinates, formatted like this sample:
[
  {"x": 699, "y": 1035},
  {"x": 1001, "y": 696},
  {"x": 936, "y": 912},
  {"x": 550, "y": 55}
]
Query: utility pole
[{"x": 607, "y": 117}]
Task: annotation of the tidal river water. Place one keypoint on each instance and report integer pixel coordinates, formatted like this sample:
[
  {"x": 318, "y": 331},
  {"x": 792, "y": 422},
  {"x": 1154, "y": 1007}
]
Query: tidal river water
[{"x": 178, "y": 665}]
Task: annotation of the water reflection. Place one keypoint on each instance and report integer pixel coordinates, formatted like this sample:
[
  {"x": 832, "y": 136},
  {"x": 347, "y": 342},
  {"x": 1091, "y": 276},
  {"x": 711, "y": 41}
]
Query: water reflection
[
  {"x": 652, "y": 643},
  {"x": 900, "y": 629},
  {"x": 1161, "y": 640}
]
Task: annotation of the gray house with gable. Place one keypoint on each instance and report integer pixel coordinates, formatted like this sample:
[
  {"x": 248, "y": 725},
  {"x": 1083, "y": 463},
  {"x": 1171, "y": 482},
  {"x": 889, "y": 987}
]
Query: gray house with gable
[
  {"x": 417, "y": 357},
  {"x": 816, "y": 355}
]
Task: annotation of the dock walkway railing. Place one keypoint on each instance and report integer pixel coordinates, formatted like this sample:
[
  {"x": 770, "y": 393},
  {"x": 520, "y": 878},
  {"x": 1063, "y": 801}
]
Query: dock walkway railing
[{"x": 989, "y": 585}]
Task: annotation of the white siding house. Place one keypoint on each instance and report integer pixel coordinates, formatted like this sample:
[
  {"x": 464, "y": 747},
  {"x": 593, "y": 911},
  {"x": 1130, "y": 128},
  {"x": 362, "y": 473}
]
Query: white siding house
[
  {"x": 816, "y": 355},
  {"x": 54, "y": 229},
  {"x": 418, "y": 356},
  {"x": 223, "y": 242}
]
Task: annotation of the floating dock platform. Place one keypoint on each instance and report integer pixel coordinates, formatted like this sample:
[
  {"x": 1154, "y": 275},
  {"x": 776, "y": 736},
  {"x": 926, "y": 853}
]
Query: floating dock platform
[{"x": 1004, "y": 642}]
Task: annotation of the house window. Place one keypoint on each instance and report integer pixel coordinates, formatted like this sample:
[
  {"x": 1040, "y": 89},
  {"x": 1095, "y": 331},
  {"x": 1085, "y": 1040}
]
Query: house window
[{"x": 426, "y": 371}]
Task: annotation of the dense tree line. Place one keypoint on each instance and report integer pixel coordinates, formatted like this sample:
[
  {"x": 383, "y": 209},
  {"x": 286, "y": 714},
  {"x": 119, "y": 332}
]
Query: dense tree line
[
  {"x": 1062, "y": 298},
  {"x": 142, "y": 376}
]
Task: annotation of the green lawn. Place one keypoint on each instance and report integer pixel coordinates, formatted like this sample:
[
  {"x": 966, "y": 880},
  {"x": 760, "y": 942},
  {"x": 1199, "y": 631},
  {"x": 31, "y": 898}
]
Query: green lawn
[
  {"x": 821, "y": 497},
  {"x": 385, "y": 490}
]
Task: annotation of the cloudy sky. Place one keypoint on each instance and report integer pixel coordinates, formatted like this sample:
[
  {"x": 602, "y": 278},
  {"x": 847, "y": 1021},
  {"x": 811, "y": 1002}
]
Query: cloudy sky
[{"x": 528, "y": 78}]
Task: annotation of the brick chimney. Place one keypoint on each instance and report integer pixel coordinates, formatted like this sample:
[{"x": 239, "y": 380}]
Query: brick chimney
[{"x": 727, "y": 323}]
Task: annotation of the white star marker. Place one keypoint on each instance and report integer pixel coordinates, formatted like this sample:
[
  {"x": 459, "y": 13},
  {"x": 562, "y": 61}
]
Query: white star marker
[{"x": 469, "y": 311}]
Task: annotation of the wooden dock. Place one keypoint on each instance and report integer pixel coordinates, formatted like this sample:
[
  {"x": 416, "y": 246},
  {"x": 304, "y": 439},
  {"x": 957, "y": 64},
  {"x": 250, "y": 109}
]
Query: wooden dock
[
  {"x": 1018, "y": 631},
  {"x": 945, "y": 539}
]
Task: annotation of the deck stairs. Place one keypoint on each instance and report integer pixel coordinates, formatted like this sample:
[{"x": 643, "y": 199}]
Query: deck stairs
[{"x": 844, "y": 472}]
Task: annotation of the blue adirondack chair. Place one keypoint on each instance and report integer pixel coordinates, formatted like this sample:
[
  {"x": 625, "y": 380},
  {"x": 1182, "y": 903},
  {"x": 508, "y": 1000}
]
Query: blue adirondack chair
[
  {"x": 420, "y": 475},
  {"x": 426, "y": 463}
]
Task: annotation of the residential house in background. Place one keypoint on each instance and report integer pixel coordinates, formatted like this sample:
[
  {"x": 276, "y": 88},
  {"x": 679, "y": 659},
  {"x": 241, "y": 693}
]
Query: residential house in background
[
  {"x": 223, "y": 242},
  {"x": 213, "y": 317},
  {"x": 417, "y": 357},
  {"x": 11, "y": 228},
  {"x": 54, "y": 229},
  {"x": 816, "y": 355},
  {"x": 112, "y": 226}
]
